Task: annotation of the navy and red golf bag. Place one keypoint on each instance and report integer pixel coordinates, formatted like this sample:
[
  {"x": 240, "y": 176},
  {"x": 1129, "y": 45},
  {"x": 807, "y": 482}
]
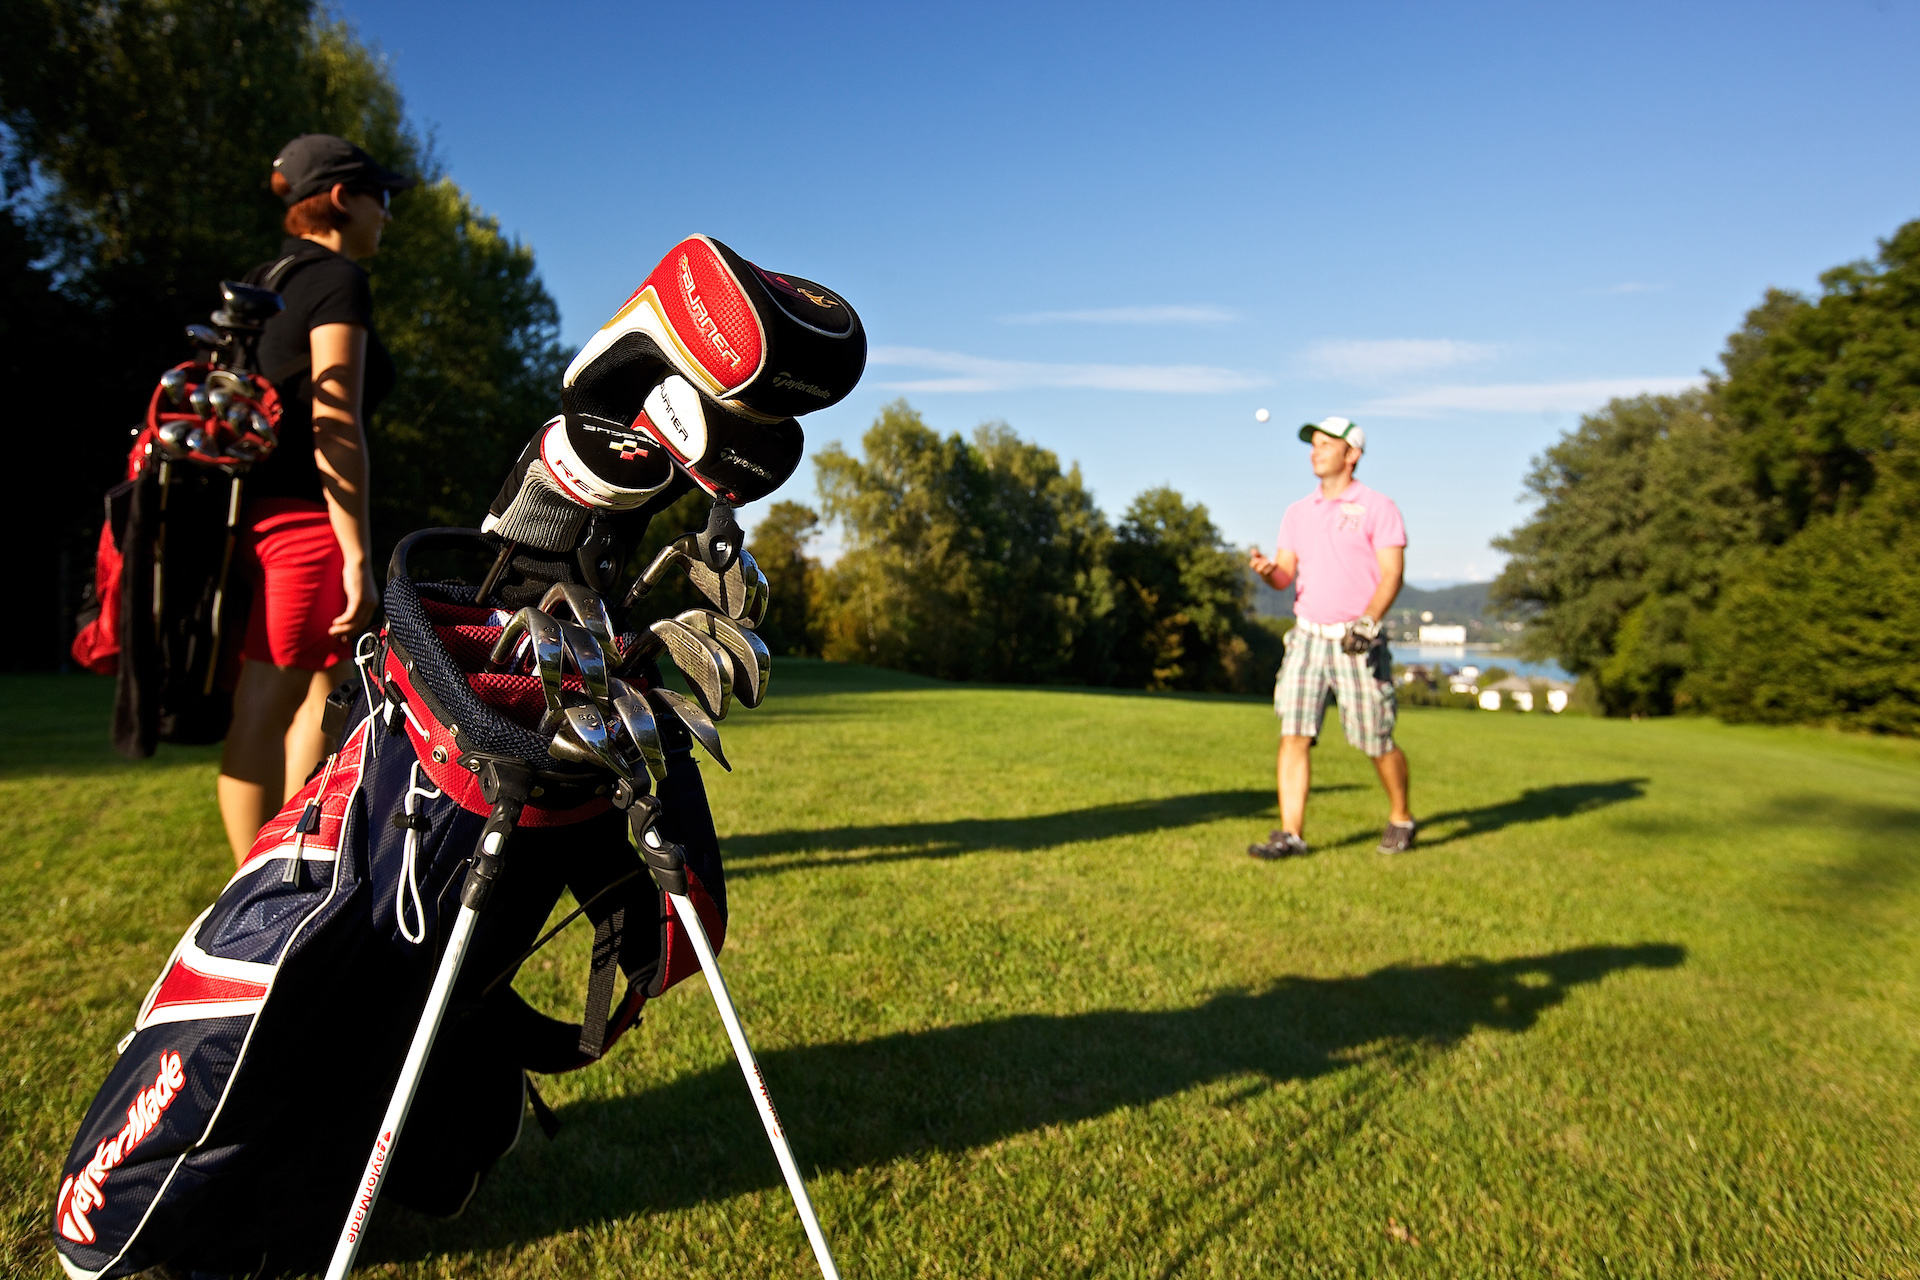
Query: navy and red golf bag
[
  {"x": 354, "y": 981},
  {"x": 244, "y": 1101}
]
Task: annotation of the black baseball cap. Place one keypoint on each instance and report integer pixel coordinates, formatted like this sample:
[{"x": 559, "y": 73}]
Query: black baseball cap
[{"x": 313, "y": 162}]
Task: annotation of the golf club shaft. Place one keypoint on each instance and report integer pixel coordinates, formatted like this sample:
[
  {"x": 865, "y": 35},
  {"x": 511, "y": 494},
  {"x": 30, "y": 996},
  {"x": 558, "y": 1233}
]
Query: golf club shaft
[
  {"x": 380, "y": 1159},
  {"x": 220, "y": 584},
  {"x": 756, "y": 1083},
  {"x": 160, "y": 551}
]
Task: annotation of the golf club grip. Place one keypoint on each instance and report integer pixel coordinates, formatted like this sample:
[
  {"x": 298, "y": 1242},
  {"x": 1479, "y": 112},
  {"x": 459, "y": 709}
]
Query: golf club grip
[
  {"x": 380, "y": 1159},
  {"x": 756, "y": 1083}
]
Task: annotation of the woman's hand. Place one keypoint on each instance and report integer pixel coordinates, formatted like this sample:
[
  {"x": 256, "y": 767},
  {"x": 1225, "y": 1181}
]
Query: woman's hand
[{"x": 362, "y": 595}]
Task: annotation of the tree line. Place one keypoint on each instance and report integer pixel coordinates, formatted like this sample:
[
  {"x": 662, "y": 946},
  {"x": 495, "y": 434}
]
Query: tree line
[
  {"x": 136, "y": 139},
  {"x": 1750, "y": 549},
  {"x": 981, "y": 559}
]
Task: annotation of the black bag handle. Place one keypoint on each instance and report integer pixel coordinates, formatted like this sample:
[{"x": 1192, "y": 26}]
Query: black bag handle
[{"x": 397, "y": 567}]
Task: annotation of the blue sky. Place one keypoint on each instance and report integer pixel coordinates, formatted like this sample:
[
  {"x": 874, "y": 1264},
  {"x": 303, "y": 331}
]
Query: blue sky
[{"x": 1123, "y": 229}]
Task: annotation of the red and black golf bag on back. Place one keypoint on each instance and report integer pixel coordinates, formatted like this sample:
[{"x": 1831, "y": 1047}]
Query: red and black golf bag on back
[
  {"x": 505, "y": 740},
  {"x": 168, "y": 614}
]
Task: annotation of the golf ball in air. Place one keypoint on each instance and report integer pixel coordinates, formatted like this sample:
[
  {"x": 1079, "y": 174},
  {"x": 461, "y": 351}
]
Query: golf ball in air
[{"x": 1261, "y": 415}]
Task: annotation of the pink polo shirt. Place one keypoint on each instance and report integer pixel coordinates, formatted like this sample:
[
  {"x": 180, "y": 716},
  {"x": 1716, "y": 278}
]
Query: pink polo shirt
[{"x": 1335, "y": 539}]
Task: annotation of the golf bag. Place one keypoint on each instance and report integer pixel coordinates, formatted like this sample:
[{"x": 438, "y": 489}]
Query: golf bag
[
  {"x": 228, "y": 1134},
  {"x": 167, "y": 615},
  {"x": 363, "y": 955}
]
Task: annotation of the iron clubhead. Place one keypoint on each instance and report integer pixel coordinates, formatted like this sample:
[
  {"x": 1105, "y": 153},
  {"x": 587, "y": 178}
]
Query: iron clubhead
[
  {"x": 756, "y": 590},
  {"x": 588, "y": 659},
  {"x": 589, "y": 610},
  {"x": 680, "y": 550},
  {"x": 583, "y": 739},
  {"x": 727, "y": 590},
  {"x": 174, "y": 384},
  {"x": 549, "y": 650},
  {"x": 740, "y": 592},
  {"x": 704, "y": 663},
  {"x": 688, "y": 712},
  {"x": 173, "y": 437},
  {"x": 200, "y": 401},
  {"x": 641, "y": 727},
  {"x": 752, "y": 663}
]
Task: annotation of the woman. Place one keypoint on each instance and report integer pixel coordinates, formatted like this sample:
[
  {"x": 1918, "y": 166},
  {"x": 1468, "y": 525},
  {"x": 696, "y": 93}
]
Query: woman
[{"x": 306, "y": 538}]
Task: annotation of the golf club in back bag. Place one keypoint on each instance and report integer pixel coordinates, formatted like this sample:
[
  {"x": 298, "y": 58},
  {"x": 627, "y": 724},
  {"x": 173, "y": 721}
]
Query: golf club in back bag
[
  {"x": 503, "y": 742},
  {"x": 168, "y": 614}
]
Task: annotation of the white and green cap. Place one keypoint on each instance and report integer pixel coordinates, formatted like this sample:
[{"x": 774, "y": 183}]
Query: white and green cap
[{"x": 1339, "y": 429}]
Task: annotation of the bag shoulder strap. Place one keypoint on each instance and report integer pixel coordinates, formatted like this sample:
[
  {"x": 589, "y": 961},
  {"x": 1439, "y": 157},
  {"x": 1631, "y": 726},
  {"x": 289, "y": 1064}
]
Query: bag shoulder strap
[{"x": 274, "y": 274}]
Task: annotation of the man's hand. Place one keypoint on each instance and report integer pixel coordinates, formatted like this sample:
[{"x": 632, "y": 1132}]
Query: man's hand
[
  {"x": 1278, "y": 572},
  {"x": 1362, "y": 634},
  {"x": 362, "y": 595}
]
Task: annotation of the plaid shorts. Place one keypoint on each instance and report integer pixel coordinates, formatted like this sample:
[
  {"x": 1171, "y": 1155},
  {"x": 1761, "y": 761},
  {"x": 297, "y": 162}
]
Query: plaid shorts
[{"x": 1316, "y": 672}]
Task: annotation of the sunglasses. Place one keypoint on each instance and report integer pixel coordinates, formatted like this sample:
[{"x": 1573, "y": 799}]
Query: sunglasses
[{"x": 378, "y": 193}]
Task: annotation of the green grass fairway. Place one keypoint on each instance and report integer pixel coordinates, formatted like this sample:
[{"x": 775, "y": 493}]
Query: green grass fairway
[{"x": 1645, "y": 1002}]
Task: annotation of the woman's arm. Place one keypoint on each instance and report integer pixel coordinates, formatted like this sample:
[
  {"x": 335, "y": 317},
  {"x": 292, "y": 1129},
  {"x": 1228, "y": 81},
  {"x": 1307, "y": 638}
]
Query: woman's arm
[{"x": 340, "y": 451}]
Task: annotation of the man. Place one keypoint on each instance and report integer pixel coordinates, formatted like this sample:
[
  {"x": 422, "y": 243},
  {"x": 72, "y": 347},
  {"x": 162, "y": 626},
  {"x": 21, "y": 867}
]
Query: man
[{"x": 1344, "y": 548}]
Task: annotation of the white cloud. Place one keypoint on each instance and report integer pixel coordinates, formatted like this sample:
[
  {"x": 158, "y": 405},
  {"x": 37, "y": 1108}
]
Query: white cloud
[
  {"x": 1521, "y": 397},
  {"x": 1390, "y": 357},
  {"x": 1629, "y": 286},
  {"x": 1127, "y": 315},
  {"x": 977, "y": 373}
]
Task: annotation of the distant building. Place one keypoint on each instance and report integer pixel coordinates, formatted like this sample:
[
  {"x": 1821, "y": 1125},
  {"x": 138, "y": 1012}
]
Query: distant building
[
  {"x": 1431, "y": 633},
  {"x": 1522, "y": 691}
]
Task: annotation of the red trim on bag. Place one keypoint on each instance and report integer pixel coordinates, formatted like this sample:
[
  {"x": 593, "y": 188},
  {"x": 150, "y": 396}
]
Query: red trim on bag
[
  {"x": 447, "y": 774},
  {"x": 187, "y": 985},
  {"x": 680, "y": 961},
  {"x": 333, "y": 787}
]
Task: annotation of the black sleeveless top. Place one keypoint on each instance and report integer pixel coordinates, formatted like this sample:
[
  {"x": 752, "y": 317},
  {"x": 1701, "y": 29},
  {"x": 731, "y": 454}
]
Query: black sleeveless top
[{"x": 319, "y": 287}]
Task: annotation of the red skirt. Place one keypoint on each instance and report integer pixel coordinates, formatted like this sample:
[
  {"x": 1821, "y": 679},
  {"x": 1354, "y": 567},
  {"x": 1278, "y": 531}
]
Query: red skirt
[{"x": 288, "y": 546}]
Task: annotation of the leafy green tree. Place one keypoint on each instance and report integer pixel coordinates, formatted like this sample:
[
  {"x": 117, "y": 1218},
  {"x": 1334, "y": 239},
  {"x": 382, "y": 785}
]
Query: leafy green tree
[
  {"x": 1182, "y": 620},
  {"x": 1822, "y": 620},
  {"x": 779, "y": 545},
  {"x": 1826, "y": 628},
  {"x": 475, "y": 340},
  {"x": 1638, "y": 508},
  {"x": 1818, "y": 390},
  {"x": 976, "y": 560},
  {"x": 1748, "y": 549}
]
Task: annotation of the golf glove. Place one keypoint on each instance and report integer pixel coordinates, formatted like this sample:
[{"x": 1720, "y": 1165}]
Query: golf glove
[{"x": 1362, "y": 634}]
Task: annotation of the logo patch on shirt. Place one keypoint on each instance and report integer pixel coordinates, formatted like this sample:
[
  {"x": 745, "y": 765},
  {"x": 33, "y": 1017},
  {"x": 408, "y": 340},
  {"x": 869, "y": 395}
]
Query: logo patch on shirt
[{"x": 1352, "y": 515}]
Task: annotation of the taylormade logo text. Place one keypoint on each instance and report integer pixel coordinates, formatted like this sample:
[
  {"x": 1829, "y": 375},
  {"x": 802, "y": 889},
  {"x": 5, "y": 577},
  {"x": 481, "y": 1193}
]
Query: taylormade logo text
[
  {"x": 698, "y": 309},
  {"x": 85, "y": 1191},
  {"x": 788, "y": 380},
  {"x": 728, "y": 455},
  {"x": 363, "y": 1203}
]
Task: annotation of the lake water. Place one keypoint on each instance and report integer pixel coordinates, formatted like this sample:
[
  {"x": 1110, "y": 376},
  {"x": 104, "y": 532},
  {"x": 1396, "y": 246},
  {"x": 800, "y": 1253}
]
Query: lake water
[{"x": 1407, "y": 652}]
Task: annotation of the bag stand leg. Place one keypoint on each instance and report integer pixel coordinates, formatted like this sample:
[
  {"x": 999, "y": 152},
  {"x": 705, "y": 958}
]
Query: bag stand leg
[
  {"x": 756, "y": 1084},
  {"x": 505, "y": 784}
]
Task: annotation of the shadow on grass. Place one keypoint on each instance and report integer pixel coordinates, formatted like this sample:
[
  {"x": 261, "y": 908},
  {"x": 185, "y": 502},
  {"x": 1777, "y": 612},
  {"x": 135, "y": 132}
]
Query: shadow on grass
[
  {"x": 1885, "y": 855},
  {"x": 865, "y": 1104},
  {"x": 905, "y": 841},
  {"x": 1535, "y": 804}
]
